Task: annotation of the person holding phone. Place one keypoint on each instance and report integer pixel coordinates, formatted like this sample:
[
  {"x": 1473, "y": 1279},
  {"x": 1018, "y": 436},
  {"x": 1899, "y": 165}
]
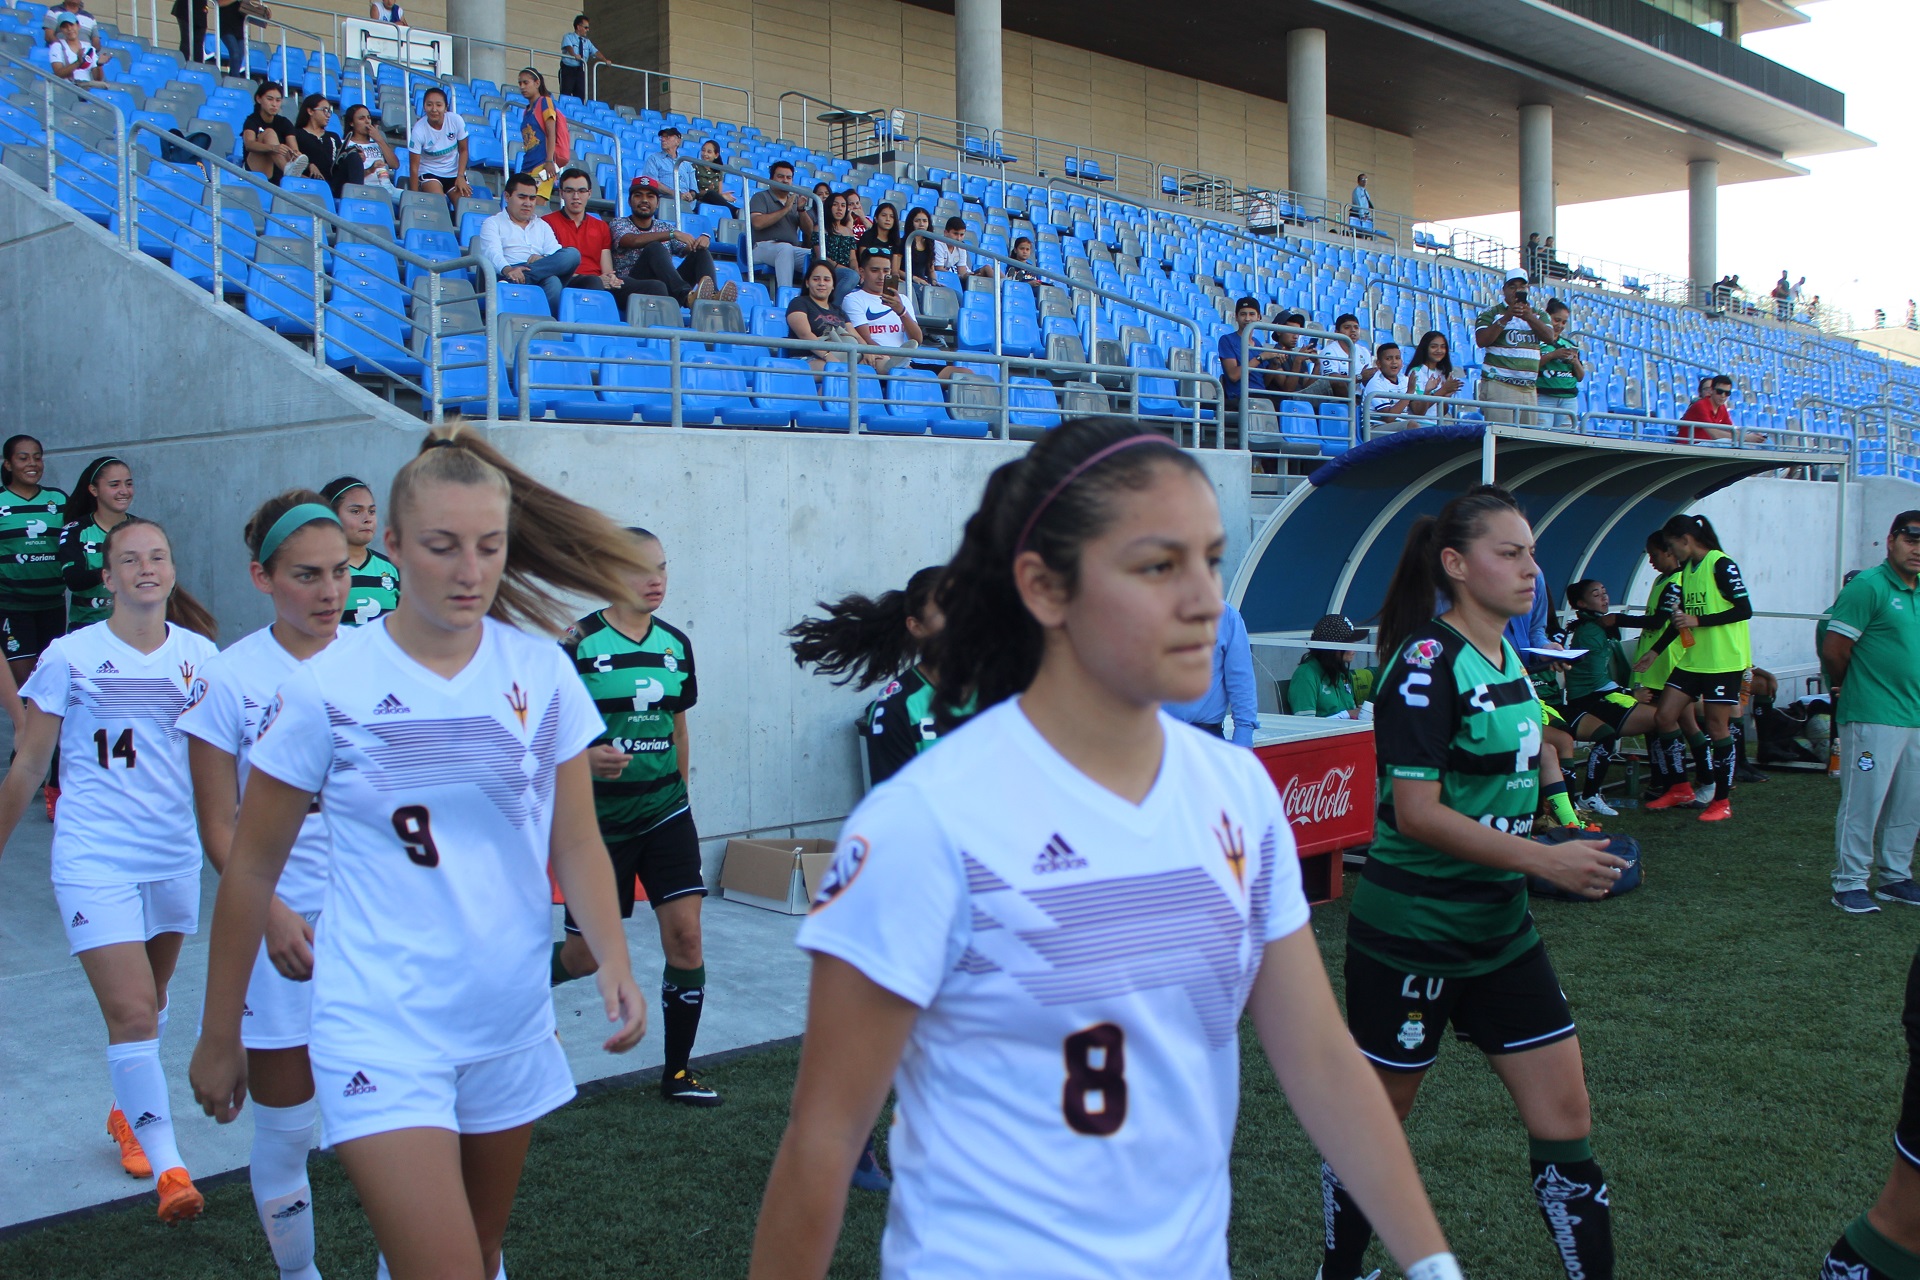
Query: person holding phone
[
  {"x": 1510, "y": 336},
  {"x": 878, "y": 313}
]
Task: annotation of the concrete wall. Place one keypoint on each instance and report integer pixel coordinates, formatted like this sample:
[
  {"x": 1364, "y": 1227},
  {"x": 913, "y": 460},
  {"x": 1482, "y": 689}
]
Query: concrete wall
[{"x": 882, "y": 53}]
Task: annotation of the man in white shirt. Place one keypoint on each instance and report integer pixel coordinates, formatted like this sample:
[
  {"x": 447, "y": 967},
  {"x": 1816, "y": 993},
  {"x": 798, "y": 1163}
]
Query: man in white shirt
[
  {"x": 953, "y": 258},
  {"x": 1385, "y": 395},
  {"x": 1336, "y": 360},
  {"x": 876, "y": 311},
  {"x": 522, "y": 247}
]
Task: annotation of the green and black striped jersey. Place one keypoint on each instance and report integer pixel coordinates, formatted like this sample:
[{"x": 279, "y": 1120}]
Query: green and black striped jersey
[
  {"x": 29, "y": 540},
  {"x": 373, "y": 592},
  {"x": 81, "y": 554},
  {"x": 899, "y": 724},
  {"x": 1444, "y": 713},
  {"x": 638, "y": 686}
]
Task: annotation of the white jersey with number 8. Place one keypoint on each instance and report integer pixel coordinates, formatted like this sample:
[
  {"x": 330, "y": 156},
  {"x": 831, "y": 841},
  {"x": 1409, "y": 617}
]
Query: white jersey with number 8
[
  {"x": 438, "y": 794},
  {"x": 126, "y": 797},
  {"x": 1069, "y": 1091}
]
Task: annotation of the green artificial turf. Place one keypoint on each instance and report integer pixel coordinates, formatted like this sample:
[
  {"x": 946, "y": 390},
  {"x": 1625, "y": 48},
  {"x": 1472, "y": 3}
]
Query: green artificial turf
[{"x": 1743, "y": 1050}]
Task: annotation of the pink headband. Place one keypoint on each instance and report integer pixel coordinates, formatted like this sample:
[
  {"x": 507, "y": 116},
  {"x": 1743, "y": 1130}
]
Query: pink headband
[{"x": 1026, "y": 530}]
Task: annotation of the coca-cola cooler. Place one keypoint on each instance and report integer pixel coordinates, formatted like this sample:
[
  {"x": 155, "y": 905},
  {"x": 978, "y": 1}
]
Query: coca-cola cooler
[{"x": 1324, "y": 771}]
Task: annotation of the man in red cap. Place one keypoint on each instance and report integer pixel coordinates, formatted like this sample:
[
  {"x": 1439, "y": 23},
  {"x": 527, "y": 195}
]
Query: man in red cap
[{"x": 644, "y": 248}]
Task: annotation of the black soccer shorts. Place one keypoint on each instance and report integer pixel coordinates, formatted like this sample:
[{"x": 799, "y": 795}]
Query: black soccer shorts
[
  {"x": 1397, "y": 1017},
  {"x": 26, "y": 633},
  {"x": 1709, "y": 686},
  {"x": 666, "y": 861}
]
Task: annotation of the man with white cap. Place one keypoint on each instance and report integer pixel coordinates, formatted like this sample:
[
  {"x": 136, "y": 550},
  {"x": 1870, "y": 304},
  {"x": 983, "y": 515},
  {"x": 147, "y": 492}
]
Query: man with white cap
[{"x": 1511, "y": 336}]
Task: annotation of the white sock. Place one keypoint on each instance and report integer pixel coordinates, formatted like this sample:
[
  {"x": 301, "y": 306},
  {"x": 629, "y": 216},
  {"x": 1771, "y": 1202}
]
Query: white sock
[
  {"x": 381, "y": 1272},
  {"x": 140, "y": 1090},
  {"x": 281, "y": 1136},
  {"x": 160, "y": 1026}
]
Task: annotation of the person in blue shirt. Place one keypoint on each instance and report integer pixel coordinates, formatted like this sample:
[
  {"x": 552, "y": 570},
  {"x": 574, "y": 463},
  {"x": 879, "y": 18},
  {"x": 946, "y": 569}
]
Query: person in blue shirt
[
  {"x": 577, "y": 52},
  {"x": 667, "y": 168},
  {"x": 1232, "y": 688},
  {"x": 1233, "y": 361}
]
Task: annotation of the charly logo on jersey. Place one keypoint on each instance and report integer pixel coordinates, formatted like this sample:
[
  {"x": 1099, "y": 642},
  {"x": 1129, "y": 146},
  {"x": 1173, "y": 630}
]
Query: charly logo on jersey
[
  {"x": 1233, "y": 847},
  {"x": 842, "y": 871},
  {"x": 1413, "y": 1032},
  {"x": 1057, "y": 856},
  {"x": 517, "y": 699}
]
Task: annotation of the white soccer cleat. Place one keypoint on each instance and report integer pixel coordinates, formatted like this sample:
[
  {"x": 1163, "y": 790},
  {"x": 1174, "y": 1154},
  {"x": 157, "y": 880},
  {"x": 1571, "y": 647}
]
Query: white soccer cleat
[{"x": 1597, "y": 803}]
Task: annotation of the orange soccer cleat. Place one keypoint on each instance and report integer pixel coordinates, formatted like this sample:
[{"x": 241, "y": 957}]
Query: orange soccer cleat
[
  {"x": 1678, "y": 794},
  {"x": 132, "y": 1157},
  {"x": 178, "y": 1198},
  {"x": 1719, "y": 811},
  {"x": 53, "y": 799}
]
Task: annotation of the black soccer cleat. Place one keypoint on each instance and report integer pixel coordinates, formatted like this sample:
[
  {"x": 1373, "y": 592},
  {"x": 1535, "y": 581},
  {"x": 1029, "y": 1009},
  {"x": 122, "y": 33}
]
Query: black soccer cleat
[{"x": 683, "y": 1088}]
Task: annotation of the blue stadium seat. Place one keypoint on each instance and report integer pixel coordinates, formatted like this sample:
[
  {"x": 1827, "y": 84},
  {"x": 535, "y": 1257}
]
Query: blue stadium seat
[
  {"x": 835, "y": 395},
  {"x": 281, "y": 297},
  {"x": 465, "y": 388},
  {"x": 372, "y": 259},
  {"x": 787, "y": 385},
  {"x": 568, "y": 389},
  {"x": 368, "y": 340},
  {"x": 589, "y": 306},
  {"x": 1031, "y": 402}
]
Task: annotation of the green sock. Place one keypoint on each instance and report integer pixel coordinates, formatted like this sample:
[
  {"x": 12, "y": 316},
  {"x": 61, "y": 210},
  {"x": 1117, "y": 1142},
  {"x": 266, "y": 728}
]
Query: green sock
[
  {"x": 1882, "y": 1254},
  {"x": 1567, "y": 1152},
  {"x": 1559, "y": 805},
  {"x": 559, "y": 972}
]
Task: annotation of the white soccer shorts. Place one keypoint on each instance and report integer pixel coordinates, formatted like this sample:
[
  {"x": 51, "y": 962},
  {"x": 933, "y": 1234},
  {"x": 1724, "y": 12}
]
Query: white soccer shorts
[
  {"x": 360, "y": 1099},
  {"x": 100, "y": 915}
]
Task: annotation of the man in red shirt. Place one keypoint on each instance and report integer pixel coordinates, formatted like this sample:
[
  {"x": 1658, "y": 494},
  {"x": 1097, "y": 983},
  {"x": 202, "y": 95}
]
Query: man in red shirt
[{"x": 575, "y": 228}]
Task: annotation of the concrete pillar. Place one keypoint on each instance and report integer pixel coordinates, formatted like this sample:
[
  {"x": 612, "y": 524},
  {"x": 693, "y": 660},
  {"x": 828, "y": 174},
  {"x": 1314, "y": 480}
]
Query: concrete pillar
[
  {"x": 1307, "y": 112},
  {"x": 1536, "y": 172},
  {"x": 1703, "y": 224},
  {"x": 976, "y": 63},
  {"x": 482, "y": 20}
]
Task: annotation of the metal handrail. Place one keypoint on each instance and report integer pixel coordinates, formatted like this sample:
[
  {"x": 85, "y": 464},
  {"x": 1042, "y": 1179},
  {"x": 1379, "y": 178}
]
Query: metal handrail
[
  {"x": 747, "y": 179},
  {"x": 1350, "y": 400},
  {"x": 1736, "y": 441},
  {"x": 780, "y": 113},
  {"x": 1227, "y": 229},
  {"x": 647, "y": 76}
]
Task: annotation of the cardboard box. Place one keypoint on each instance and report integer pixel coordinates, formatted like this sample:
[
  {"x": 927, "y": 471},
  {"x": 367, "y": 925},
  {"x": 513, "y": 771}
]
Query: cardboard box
[{"x": 778, "y": 875}]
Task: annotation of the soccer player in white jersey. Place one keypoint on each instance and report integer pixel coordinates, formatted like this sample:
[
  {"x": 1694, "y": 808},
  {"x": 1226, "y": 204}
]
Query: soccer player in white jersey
[
  {"x": 126, "y": 864},
  {"x": 300, "y": 559},
  {"x": 1045, "y": 931},
  {"x": 448, "y": 752}
]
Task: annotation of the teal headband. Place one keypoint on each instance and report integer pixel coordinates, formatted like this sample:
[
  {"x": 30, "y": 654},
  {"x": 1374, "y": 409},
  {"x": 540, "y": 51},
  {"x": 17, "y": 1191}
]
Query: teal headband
[{"x": 293, "y": 518}]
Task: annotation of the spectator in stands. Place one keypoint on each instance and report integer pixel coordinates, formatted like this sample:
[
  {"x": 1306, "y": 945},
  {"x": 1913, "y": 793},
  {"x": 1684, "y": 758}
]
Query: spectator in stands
[
  {"x": 857, "y": 213},
  {"x": 955, "y": 258},
  {"x": 522, "y": 247},
  {"x": 647, "y": 245},
  {"x": 710, "y": 184},
  {"x": 919, "y": 249},
  {"x": 1335, "y": 361},
  {"x": 812, "y": 313},
  {"x": 192, "y": 17},
  {"x": 389, "y": 12},
  {"x": 884, "y": 235},
  {"x": 438, "y": 144},
  {"x": 233, "y": 35},
  {"x": 1384, "y": 398},
  {"x": 377, "y": 157},
  {"x": 71, "y": 57},
  {"x": 1022, "y": 252},
  {"x": 667, "y": 168},
  {"x": 1511, "y": 335},
  {"x": 576, "y": 53},
  {"x": 824, "y": 192},
  {"x": 1292, "y": 359},
  {"x": 1913, "y": 316},
  {"x": 1532, "y": 260},
  {"x": 542, "y": 150},
  {"x": 266, "y": 138},
  {"x": 1561, "y": 369},
  {"x": 1240, "y": 354},
  {"x": 329, "y": 158},
  {"x": 1431, "y": 375},
  {"x": 842, "y": 242},
  {"x": 877, "y": 312},
  {"x": 1234, "y": 691},
  {"x": 69, "y": 10},
  {"x": 574, "y": 228},
  {"x": 1550, "y": 261},
  {"x": 1362, "y": 199},
  {"x": 1710, "y": 414},
  {"x": 1783, "y": 297},
  {"x": 780, "y": 221}
]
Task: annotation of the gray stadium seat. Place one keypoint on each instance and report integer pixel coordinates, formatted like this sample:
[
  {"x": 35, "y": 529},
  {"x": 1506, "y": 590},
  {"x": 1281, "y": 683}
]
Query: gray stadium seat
[{"x": 653, "y": 311}]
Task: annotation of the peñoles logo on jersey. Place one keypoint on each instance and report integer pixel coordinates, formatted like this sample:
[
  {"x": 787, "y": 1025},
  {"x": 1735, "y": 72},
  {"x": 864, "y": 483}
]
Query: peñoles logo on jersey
[
  {"x": 517, "y": 699},
  {"x": 1422, "y": 654}
]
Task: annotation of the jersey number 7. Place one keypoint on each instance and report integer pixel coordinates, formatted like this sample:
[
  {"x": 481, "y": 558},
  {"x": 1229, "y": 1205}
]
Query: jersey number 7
[
  {"x": 413, "y": 824},
  {"x": 122, "y": 748},
  {"x": 1094, "y": 1100}
]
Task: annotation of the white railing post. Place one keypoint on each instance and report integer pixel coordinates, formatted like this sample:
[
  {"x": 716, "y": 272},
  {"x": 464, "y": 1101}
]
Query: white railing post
[
  {"x": 319, "y": 294},
  {"x": 674, "y": 381},
  {"x": 433, "y": 344},
  {"x": 218, "y": 230},
  {"x": 46, "y": 90}
]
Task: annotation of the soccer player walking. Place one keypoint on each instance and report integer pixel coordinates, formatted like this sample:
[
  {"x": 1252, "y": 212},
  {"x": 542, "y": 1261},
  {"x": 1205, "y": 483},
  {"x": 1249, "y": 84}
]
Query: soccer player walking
[
  {"x": 126, "y": 864},
  {"x": 33, "y": 606},
  {"x": 299, "y": 558},
  {"x": 640, "y": 673},
  {"x": 1045, "y": 931},
  {"x": 1714, "y": 656},
  {"x": 1440, "y": 932},
  {"x": 375, "y": 589},
  {"x": 1872, "y": 645},
  {"x": 447, "y": 749}
]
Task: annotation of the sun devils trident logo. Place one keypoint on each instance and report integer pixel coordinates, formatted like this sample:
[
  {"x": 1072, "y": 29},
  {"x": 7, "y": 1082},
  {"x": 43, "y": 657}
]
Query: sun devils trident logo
[
  {"x": 518, "y": 701},
  {"x": 1233, "y": 846}
]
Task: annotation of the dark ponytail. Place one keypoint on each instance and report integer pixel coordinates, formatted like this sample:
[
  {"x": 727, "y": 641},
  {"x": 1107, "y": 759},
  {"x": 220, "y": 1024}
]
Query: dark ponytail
[
  {"x": 82, "y": 503},
  {"x": 269, "y": 513},
  {"x": 1699, "y": 528},
  {"x": 1419, "y": 578},
  {"x": 6, "y": 453},
  {"x": 1052, "y": 501},
  {"x": 865, "y": 640},
  {"x": 182, "y": 609}
]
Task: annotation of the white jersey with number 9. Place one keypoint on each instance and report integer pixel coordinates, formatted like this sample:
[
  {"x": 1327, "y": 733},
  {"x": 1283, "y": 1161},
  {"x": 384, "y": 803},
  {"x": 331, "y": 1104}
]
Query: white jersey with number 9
[{"x": 1069, "y": 1090}]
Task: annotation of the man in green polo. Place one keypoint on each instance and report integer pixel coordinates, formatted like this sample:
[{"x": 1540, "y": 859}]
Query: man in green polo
[
  {"x": 1509, "y": 336},
  {"x": 1872, "y": 648}
]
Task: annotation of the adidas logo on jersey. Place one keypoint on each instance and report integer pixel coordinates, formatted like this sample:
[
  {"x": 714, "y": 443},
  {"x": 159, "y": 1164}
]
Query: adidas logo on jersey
[
  {"x": 77, "y": 921},
  {"x": 359, "y": 1085},
  {"x": 1057, "y": 856},
  {"x": 146, "y": 1118},
  {"x": 106, "y": 669},
  {"x": 293, "y": 1210},
  {"x": 389, "y": 705}
]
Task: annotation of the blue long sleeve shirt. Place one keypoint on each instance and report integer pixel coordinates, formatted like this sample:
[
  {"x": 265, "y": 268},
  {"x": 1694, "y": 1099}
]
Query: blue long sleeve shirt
[
  {"x": 1529, "y": 630},
  {"x": 1233, "y": 688}
]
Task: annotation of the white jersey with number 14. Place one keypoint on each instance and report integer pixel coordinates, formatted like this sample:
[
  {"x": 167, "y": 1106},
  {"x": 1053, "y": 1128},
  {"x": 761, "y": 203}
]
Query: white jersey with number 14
[{"x": 1069, "y": 1090}]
